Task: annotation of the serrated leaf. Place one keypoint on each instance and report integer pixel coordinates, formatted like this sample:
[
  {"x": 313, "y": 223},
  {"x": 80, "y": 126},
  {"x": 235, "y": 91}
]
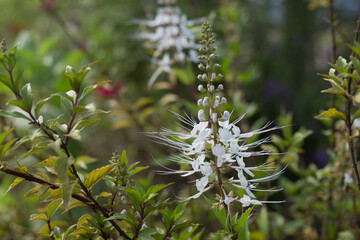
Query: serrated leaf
[
  {"x": 95, "y": 176},
  {"x": 41, "y": 216},
  {"x": 13, "y": 184},
  {"x": 331, "y": 113},
  {"x": 53, "y": 206}
]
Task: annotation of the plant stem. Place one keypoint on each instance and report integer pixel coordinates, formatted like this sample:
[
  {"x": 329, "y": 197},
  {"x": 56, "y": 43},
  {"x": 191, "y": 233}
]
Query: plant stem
[
  {"x": 50, "y": 230},
  {"x": 348, "y": 121}
]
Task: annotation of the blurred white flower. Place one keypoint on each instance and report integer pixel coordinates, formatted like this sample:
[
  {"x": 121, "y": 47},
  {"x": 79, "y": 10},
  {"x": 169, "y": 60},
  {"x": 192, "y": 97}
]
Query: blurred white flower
[{"x": 169, "y": 37}]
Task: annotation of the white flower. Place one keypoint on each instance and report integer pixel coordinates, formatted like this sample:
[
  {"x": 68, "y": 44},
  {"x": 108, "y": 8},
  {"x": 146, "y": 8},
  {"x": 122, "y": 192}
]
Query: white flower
[
  {"x": 169, "y": 33},
  {"x": 247, "y": 201},
  {"x": 213, "y": 146}
]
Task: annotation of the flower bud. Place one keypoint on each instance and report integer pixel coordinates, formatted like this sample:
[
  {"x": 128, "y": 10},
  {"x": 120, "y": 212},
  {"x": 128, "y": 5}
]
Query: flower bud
[
  {"x": 217, "y": 65},
  {"x": 201, "y": 115},
  {"x": 216, "y": 103},
  {"x": 204, "y": 76},
  {"x": 200, "y": 87},
  {"x": 199, "y": 102},
  {"x": 213, "y": 76},
  {"x": 201, "y": 66},
  {"x": 214, "y": 117},
  {"x": 68, "y": 69},
  {"x": 220, "y": 87},
  {"x": 226, "y": 115},
  {"x": 223, "y": 100},
  {"x": 205, "y": 101},
  {"x": 211, "y": 88}
]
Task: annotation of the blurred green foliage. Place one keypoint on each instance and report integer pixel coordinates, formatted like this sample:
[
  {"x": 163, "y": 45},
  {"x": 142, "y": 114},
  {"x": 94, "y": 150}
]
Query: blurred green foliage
[{"x": 270, "y": 51}]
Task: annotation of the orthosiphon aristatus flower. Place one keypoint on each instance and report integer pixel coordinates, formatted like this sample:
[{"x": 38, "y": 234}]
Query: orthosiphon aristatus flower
[
  {"x": 214, "y": 148},
  {"x": 169, "y": 37}
]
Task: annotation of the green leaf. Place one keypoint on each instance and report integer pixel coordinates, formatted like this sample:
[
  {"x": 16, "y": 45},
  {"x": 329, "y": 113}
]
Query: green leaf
[
  {"x": 67, "y": 190},
  {"x": 21, "y": 104},
  {"x": 84, "y": 219},
  {"x": 61, "y": 167},
  {"x": 32, "y": 191},
  {"x": 53, "y": 206},
  {"x": 244, "y": 234},
  {"x": 13, "y": 184},
  {"x": 331, "y": 113},
  {"x": 116, "y": 216},
  {"x": 5, "y": 79},
  {"x": 13, "y": 114},
  {"x": 86, "y": 123},
  {"x": 39, "y": 105},
  {"x": 7, "y": 148},
  {"x": 153, "y": 191},
  {"x": 95, "y": 176},
  {"x": 123, "y": 158},
  {"x": 335, "y": 88},
  {"x": 27, "y": 95},
  {"x": 5, "y": 134},
  {"x": 136, "y": 170},
  {"x": 91, "y": 88},
  {"x": 36, "y": 148},
  {"x": 221, "y": 216},
  {"x": 41, "y": 216},
  {"x": 243, "y": 219}
]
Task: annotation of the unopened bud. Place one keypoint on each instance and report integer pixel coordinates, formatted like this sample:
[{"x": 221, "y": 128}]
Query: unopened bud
[
  {"x": 211, "y": 88},
  {"x": 216, "y": 103},
  {"x": 201, "y": 66},
  {"x": 205, "y": 101},
  {"x": 201, "y": 115},
  {"x": 220, "y": 87},
  {"x": 204, "y": 76},
  {"x": 200, "y": 87},
  {"x": 199, "y": 102},
  {"x": 68, "y": 69},
  {"x": 223, "y": 100},
  {"x": 226, "y": 115},
  {"x": 214, "y": 117}
]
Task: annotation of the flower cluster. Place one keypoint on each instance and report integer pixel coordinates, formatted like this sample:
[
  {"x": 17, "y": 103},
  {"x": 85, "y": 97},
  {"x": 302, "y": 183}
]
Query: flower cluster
[
  {"x": 169, "y": 38},
  {"x": 214, "y": 145}
]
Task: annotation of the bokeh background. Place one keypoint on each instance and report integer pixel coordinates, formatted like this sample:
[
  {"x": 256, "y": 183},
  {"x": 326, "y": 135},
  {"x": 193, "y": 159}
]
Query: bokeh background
[{"x": 271, "y": 52}]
